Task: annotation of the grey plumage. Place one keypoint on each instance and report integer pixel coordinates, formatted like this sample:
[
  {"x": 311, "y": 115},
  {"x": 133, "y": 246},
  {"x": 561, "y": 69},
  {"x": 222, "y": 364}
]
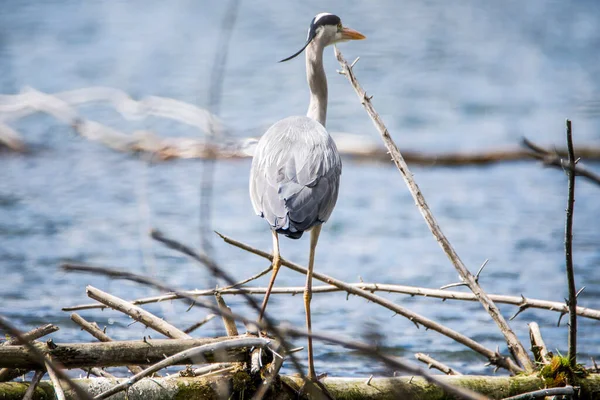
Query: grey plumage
[
  {"x": 296, "y": 168},
  {"x": 295, "y": 176}
]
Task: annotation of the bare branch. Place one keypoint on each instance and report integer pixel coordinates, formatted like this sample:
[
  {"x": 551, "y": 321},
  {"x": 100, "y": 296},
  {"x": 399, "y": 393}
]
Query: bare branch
[
  {"x": 558, "y": 391},
  {"x": 58, "y": 391},
  {"x": 491, "y": 355},
  {"x": 198, "y": 354},
  {"x": 572, "y": 303},
  {"x": 538, "y": 347},
  {"x": 33, "y": 334},
  {"x": 100, "y": 335},
  {"x": 136, "y": 313},
  {"x": 520, "y": 301},
  {"x": 432, "y": 363},
  {"x": 514, "y": 345},
  {"x": 229, "y": 323},
  {"x": 197, "y": 325},
  {"x": 40, "y": 358},
  {"x": 37, "y": 377},
  {"x": 554, "y": 159}
]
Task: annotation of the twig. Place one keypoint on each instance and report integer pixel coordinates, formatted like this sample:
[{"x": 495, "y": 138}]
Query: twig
[
  {"x": 554, "y": 159},
  {"x": 197, "y": 353},
  {"x": 112, "y": 354},
  {"x": 572, "y": 303},
  {"x": 210, "y": 368},
  {"x": 265, "y": 324},
  {"x": 197, "y": 325},
  {"x": 432, "y": 363},
  {"x": 41, "y": 360},
  {"x": 100, "y": 335},
  {"x": 394, "y": 362},
  {"x": 365, "y": 348},
  {"x": 565, "y": 391},
  {"x": 491, "y": 355},
  {"x": 270, "y": 378},
  {"x": 101, "y": 373},
  {"x": 58, "y": 391},
  {"x": 514, "y": 345},
  {"x": 229, "y": 323},
  {"x": 33, "y": 334},
  {"x": 538, "y": 347},
  {"x": 136, "y": 313},
  {"x": 218, "y": 272},
  {"x": 8, "y": 374},
  {"x": 37, "y": 377},
  {"x": 521, "y": 301}
]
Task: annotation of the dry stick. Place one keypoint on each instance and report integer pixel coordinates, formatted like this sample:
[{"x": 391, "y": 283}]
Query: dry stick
[
  {"x": 197, "y": 353},
  {"x": 100, "y": 335},
  {"x": 39, "y": 358},
  {"x": 101, "y": 373},
  {"x": 220, "y": 273},
  {"x": 394, "y": 362},
  {"x": 433, "y": 363},
  {"x": 558, "y": 391},
  {"x": 229, "y": 323},
  {"x": 265, "y": 324},
  {"x": 514, "y": 345},
  {"x": 197, "y": 325},
  {"x": 522, "y": 301},
  {"x": 494, "y": 357},
  {"x": 8, "y": 374},
  {"x": 572, "y": 302},
  {"x": 554, "y": 159},
  {"x": 136, "y": 313},
  {"x": 209, "y": 368},
  {"x": 58, "y": 391},
  {"x": 33, "y": 334},
  {"x": 270, "y": 378},
  {"x": 538, "y": 347},
  {"x": 369, "y": 350},
  {"x": 37, "y": 377},
  {"x": 156, "y": 299}
]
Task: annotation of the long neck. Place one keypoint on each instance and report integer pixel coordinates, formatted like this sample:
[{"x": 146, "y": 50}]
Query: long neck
[{"x": 317, "y": 82}]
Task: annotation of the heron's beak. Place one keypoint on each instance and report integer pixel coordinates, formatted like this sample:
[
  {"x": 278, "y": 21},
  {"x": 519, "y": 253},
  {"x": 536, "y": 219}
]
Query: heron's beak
[{"x": 351, "y": 34}]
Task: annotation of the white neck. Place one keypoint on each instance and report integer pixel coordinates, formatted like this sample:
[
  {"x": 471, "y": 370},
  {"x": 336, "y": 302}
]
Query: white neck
[{"x": 317, "y": 82}]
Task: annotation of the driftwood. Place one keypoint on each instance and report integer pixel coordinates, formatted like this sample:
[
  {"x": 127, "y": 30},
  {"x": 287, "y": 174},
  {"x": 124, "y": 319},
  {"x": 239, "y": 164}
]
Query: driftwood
[
  {"x": 115, "y": 353},
  {"x": 407, "y": 387},
  {"x": 358, "y": 147}
]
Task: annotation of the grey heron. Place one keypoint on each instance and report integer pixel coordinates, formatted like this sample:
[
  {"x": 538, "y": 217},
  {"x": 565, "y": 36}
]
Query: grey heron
[{"x": 296, "y": 167}]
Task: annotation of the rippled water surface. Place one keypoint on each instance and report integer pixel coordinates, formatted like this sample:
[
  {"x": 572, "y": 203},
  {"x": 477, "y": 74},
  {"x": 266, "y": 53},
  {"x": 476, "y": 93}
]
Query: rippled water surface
[{"x": 446, "y": 76}]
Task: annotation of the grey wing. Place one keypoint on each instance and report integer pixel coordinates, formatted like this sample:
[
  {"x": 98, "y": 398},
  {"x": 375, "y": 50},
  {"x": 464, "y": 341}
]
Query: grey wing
[{"x": 295, "y": 176}]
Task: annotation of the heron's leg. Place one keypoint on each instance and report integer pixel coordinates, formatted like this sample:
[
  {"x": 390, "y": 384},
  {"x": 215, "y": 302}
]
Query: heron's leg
[
  {"x": 276, "y": 264},
  {"x": 314, "y": 238}
]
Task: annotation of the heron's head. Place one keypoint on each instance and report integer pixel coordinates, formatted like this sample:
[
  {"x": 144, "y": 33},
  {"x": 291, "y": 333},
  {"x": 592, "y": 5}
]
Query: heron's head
[{"x": 327, "y": 29}]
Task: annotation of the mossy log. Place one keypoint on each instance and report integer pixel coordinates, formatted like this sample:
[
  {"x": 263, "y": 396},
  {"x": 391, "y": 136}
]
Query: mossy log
[
  {"x": 116, "y": 353},
  {"x": 240, "y": 385}
]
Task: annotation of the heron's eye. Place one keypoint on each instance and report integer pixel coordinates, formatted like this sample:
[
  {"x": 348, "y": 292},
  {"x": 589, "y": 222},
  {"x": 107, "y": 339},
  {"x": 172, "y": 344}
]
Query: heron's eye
[{"x": 339, "y": 27}]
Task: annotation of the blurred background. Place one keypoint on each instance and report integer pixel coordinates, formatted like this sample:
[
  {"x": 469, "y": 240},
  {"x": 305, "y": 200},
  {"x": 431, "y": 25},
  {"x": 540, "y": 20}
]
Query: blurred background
[{"x": 445, "y": 76}]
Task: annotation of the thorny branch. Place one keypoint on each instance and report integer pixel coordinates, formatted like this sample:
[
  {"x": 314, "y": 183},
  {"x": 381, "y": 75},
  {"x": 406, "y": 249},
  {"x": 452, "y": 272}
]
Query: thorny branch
[
  {"x": 369, "y": 350},
  {"x": 493, "y": 356},
  {"x": 39, "y": 357},
  {"x": 514, "y": 345},
  {"x": 521, "y": 301},
  {"x": 572, "y": 302}
]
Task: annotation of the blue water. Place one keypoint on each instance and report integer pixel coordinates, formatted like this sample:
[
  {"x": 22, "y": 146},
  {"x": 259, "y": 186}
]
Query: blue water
[{"x": 445, "y": 76}]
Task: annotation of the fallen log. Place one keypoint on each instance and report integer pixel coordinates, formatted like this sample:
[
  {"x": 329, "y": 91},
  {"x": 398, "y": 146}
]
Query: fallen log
[
  {"x": 116, "y": 353},
  {"x": 496, "y": 387}
]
